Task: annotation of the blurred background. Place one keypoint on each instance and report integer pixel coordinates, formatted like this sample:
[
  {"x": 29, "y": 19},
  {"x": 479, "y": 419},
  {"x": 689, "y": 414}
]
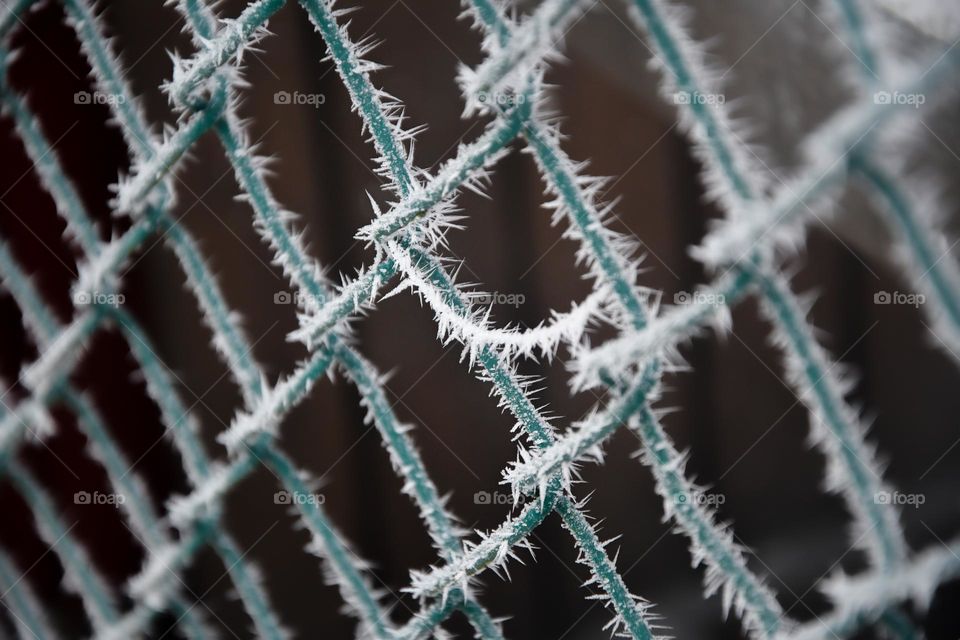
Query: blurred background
[{"x": 745, "y": 429}]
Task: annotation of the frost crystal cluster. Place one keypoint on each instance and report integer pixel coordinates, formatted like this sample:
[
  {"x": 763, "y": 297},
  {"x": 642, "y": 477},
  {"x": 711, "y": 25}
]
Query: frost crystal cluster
[{"x": 762, "y": 219}]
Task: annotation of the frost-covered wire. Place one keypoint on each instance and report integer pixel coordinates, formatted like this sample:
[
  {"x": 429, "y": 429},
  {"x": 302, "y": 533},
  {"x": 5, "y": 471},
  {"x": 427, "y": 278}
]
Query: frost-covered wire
[
  {"x": 271, "y": 222},
  {"x": 779, "y": 220},
  {"x": 405, "y": 238},
  {"x": 80, "y": 574},
  {"x": 913, "y": 203},
  {"x": 835, "y": 428},
  {"x": 609, "y": 258},
  {"x": 861, "y": 600},
  {"x": 664, "y": 332},
  {"x": 144, "y": 150},
  {"x": 29, "y": 617},
  {"x": 389, "y": 143},
  {"x": 851, "y": 468}
]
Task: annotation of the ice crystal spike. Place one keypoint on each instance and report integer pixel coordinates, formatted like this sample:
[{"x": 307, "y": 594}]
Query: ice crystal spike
[{"x": 408, "y": 235}]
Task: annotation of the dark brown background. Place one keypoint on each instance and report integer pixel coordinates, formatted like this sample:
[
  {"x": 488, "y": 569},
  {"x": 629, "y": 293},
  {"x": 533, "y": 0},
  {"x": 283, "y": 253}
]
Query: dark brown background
[{"x": 744, "y": 428}]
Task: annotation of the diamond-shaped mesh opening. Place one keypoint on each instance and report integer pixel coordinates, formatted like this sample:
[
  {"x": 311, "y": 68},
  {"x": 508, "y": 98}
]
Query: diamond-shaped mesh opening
[{"x": 410, "y": 242}]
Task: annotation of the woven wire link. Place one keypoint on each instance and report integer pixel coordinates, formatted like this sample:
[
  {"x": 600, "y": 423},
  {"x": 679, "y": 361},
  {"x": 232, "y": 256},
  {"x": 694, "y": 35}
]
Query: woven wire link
[{"x": 408, "y": 239}]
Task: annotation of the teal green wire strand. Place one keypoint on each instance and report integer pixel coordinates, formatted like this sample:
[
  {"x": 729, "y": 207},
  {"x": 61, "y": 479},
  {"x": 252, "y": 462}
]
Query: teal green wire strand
[
  {"x": 256, "y": 189},
  {"x": 911, "y": 229},
  {"x": 137, "y": 502},
  {"x": 250, "y": 592},
  {"x": 504, "y": 63},
  {"x": 494, "y": 20},
  {"x": 254, "y": 16},
  {"x": 599, "y": 247},
  {"x": 317, "y": 522},
  {"x": 25, "y": 607},
  {"x": 862, "y": 50},
  {"x": 93, "y": 590},
  {"x": 685, "y": 82},
  {"x": 45, "y": 163},
  {"x": 426, "y": 493},
  {"x": 11, "y": 17},
  {"x": 43, "y": 325},
  {"x": 304, "y": 276},
  {"x": 890, "y": 541},
  {"x": 372, "y": 113},
  {"x": 433, "y": 616},
  {"x": 252, "y": 595},
  {"x": 174, "y": 412},
  {"x": 898, "y": 626},
  {"x": 523, "y": 409},
  {"x": 655, "y": 440},
  {"x": 885, "y": 185},
  {"x": 365, "y": 97}
]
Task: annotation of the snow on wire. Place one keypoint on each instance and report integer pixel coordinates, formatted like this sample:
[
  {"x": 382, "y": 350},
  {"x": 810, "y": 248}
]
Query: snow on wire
[{"x": 409, "y": 244}]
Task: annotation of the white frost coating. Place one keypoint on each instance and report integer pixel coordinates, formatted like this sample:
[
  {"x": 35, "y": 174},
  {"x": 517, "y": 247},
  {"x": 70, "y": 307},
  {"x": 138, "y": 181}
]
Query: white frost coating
[
  {"x": 426, "y": 214},
  {"x": 491, "y": 551},
  {"x": 704, "y": 89},
  {"x": 924, "y": 195},
  {"x": 661, "y": 337},
  {"x": 60, "y": 355},
  {"x": 137, "y": 192},
  {"x": 580, "y": 443},
  {"x": 354, "y": 297},
  {"x": 130, "y": 625},
  {"x": 156, "y": 579},
  {"x": 938, "y": 19},
  {"x": 779, "y": 221},
  {"x": 30, "y": 415},
  {"x": 534, "y": 43},
  {"x": 263, "y": 418},
  {"x": 852, "y": 468},
  {"x": 366, "y": 99},
  {"x": 272, "y": 405},
  {"x": 234, "y": 37},
  {"x": 91, "y": 29},
  {"x": 862, "y": 598},
  {"x": 97, "y": 274},
  {"x": 576, "y": 198},
  {"x": 30, "y": 619},
  {"x": 475, "y": 333},
  {"x": 205, "y": 499},
  {"x": 468, "y": 169},
  {"x": 307, "y": 273}
]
